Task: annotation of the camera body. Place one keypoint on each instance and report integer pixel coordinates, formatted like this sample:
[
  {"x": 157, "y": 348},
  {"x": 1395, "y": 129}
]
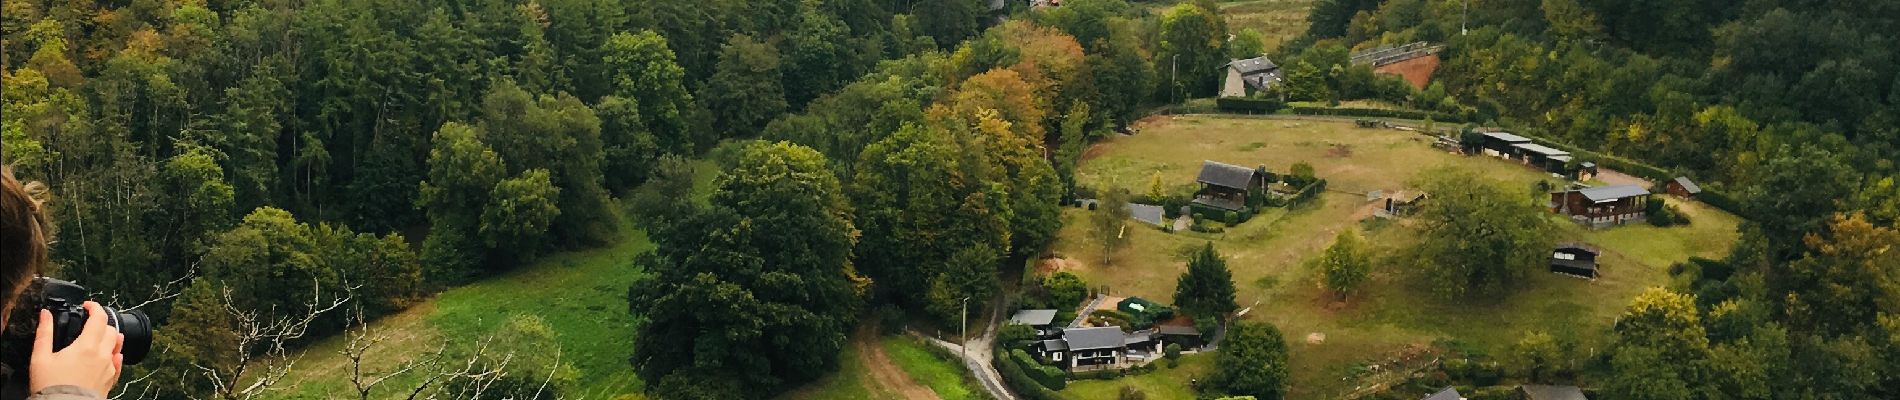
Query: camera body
[{"x": 66, "y": 301}]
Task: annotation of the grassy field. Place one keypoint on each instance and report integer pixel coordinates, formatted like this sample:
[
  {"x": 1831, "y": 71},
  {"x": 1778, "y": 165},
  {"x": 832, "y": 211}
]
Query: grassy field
[
  {"x": 946, "y": 378},
  {"x": 1163, "y": 383},
  {"x": 1269, "y": 254},
  {"x": 580, "y": 294},
  {"x": 1277, "y": 20}
]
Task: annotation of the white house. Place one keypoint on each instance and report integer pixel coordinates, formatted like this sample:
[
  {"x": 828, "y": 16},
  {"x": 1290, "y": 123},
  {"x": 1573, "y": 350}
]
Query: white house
[{"x": 1253, "y": 74}]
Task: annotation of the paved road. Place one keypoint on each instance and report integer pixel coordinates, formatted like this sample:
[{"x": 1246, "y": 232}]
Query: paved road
[{"x": 979, "y": 358}]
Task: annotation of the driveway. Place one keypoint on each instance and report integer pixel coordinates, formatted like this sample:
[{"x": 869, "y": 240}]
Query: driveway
[{"x": 980, "y": 359}]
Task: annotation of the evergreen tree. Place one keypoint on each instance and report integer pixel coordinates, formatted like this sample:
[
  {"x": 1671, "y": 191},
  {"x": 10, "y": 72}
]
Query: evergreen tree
[{"x": 1207, "y": 288}]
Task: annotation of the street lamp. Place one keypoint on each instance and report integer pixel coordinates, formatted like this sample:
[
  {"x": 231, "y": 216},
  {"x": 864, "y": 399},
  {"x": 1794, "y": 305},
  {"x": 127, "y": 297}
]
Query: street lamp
[{"x": 964, "y": 338}]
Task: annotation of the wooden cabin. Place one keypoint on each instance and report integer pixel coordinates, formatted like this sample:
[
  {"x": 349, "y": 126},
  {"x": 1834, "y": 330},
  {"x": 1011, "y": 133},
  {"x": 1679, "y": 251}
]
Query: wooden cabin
[
  {"x": 1682, "y": 187},
  {"x": 1601, "y": 207},
  {"x": 1226, "y": 186}
]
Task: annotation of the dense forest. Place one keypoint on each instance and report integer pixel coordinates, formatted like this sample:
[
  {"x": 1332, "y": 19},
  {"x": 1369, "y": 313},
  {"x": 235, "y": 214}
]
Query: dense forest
[{"x": 225, "y": 158}]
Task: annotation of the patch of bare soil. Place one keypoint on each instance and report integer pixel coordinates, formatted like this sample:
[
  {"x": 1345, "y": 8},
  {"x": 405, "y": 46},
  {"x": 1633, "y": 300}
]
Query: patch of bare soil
[
  {"x": 1057, "y": 263},
  {"x": 1613, "y": 177},
  {"x": 1097, "y": 150},
  {"x": 1152, "y": 121},
  {"x": 1417, "y": 71},
  {"x": 1339, "y": 151},
  {"x": 885, "y": 375}
]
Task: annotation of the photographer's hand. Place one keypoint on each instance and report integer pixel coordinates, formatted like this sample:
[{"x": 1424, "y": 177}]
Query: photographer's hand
[{"x": 92, "y": 362}]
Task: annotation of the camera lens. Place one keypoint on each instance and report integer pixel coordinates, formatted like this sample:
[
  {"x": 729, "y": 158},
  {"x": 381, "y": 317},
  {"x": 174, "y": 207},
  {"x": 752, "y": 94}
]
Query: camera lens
[{"x": 137, "y": 329}]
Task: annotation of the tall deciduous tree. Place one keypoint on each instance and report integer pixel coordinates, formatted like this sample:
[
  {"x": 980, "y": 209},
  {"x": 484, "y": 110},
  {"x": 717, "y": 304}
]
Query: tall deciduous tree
[
  {"x": 1345, "y": 265},
  {"x": 949, "y": 21},
  {"x": 816, "y": 56},
  {"x": 640, "y": 67},
  {"x": 1476, "y": 236},
  {"x": 766, "y": 266},
  {"x": 1207, "y": 288},
  {"x": 1108, "y": 222},
  {"x": 1193, "y": 40},
  {"x": 969, "y": 275},
  {"x": 562, "y": 136},
  {"x": 462, "y": 172},
  {"x": 746, "y": 91},
  {"x": 1252, "y": 362},
  {"x": 924, "y": 168}
]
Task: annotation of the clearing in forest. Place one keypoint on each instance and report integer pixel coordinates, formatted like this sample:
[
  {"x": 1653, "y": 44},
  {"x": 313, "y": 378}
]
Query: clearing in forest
[{"x": 1269, "y": 254}]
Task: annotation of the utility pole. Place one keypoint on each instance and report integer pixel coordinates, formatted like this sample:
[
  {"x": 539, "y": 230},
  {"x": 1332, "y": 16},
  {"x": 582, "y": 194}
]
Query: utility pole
[
  {"x": 1464, "y": 17},
  {"x": 963, "y": 340},
  {"x": 1174, "y": 77}
]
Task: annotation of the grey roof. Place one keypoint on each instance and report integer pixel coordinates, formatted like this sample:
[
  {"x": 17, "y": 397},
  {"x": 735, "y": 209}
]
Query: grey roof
[
  {"x": 1261, "y": 81},
  {"x": 1687, "y": 185},
  {"x": 1054, "y": 345},
  {"x": 1225, "y": 175},
  {"x": 1587, "y": 164},
  {"x": 1253, "y": 65},
  {"x": 1138, "y": 337},
  {"x": 1450, "y": 393},
  {"x": 1608, "y": 193},
  {"x": 1177, "y": 330},
  {"x": 1577, "y": 246},
  {"x": 1101, "y": 337},
  {"x": 1146, "y": 213},
  {"x": 1034, "y": 317},
  {"x": 1507, "y": 137},
  {"x": 1541, "y": 149},
  {"x": 1542, "y": 392}
]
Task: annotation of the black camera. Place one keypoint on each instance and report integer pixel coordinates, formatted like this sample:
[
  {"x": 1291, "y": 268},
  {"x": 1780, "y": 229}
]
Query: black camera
[{"x": 67, "y": 302}]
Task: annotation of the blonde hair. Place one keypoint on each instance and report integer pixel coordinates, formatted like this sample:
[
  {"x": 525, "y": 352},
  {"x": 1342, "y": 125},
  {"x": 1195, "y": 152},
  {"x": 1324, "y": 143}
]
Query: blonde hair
[{"x": 24, "y": 234}]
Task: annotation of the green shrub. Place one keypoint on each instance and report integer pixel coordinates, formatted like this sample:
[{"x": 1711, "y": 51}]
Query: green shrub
[
  {"x": 1131, "y": 393},
  {"x": 1047, "y": 376},
  {"x": 1232, "y": 218},
  {"x": 1012, "y": 374}
]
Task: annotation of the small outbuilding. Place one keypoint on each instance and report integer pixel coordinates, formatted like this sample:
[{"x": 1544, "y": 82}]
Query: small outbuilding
[
  {"x": 1449, "y": 393},
  {"x": 1502, "y": 144},
  {"x": 1585, "y": 171},
  {"x": 1546, "y": 392},
  {"x": 1042, "y": 321},
  {"x": 1186, "y": 336},
  {"x": 1542, "y": 157},
  {"x": 1404, "y": 202},
  {"x": 1682, "y": 187},
  {"x": 1576, "y": 259},
  {"x": 1151, "y": 214}
]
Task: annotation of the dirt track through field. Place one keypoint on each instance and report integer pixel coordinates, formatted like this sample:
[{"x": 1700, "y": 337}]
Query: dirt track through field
[{"x": 885, "y": 376}]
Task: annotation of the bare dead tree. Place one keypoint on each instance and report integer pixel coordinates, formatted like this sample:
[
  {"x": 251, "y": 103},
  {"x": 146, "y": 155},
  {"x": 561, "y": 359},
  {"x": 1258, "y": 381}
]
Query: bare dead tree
[
  {"x": 263, "y": 355},
  {"x": 474, "y": 373},
  {"x": 161, "y": 291}
]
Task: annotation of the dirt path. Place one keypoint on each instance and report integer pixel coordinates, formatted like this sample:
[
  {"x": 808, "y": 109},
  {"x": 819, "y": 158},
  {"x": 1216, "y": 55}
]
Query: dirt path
[{"x": 885, "y": 375}]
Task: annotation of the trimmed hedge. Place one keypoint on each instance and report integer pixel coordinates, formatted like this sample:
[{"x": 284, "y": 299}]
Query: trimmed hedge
[
  {"x": 1025, "y": 386},
  {"x": 1047, "y": 376},
  {"x": 1307, "y": 193},
  {"x": 1249, "y": 105},
  {"x": 1380, "y": 113}
]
